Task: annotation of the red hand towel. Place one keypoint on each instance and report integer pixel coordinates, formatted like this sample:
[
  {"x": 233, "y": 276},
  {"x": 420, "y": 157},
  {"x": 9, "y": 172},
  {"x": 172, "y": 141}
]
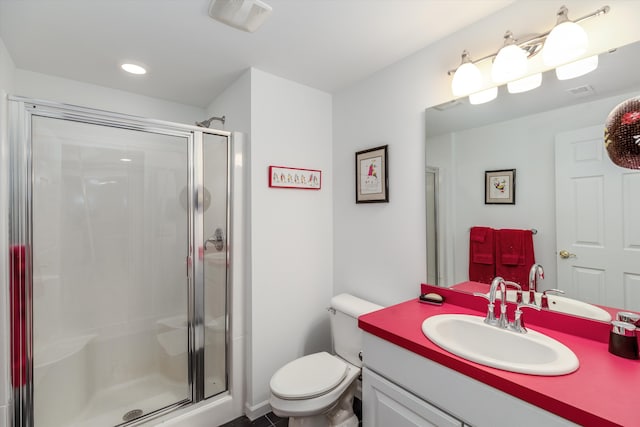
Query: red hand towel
[
  {"x": 514, "y": 255},
  {"x": 511, "y": 247},
  {"x": 481, "y": 254}
]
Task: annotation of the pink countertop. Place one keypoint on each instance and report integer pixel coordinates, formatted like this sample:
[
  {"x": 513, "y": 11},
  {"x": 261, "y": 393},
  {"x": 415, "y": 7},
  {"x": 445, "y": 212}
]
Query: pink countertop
[{"x": 601, "y": 393}]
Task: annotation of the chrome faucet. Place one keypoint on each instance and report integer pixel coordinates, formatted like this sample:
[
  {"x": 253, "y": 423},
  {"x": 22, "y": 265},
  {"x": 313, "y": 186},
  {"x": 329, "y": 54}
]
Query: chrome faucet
[
  {"x": 503, "y": 322},
  {"x": 535, "y": 273},
  {"x": 497, "y": 284},
  {"x": 508, "y": 283}
]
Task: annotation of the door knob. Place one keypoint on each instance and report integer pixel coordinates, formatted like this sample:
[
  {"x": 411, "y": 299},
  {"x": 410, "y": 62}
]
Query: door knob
[{"x": 564, "y": 254}]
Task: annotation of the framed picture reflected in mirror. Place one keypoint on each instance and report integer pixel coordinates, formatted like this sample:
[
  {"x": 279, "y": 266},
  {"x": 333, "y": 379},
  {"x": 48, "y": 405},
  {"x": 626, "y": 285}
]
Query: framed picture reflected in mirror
[{"x": 500, "y": 187}]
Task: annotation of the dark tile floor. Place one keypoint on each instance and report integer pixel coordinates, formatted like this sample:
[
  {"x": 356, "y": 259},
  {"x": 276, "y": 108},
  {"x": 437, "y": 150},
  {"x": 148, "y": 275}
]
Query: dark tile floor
[
  {"x": 269, "y": 420},
  {"x": 272, "y": 420}
]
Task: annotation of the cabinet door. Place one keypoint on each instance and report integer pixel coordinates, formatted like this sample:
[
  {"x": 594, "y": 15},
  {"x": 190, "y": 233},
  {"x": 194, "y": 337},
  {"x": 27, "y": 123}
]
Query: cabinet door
[{"x": 385, "y": 404}]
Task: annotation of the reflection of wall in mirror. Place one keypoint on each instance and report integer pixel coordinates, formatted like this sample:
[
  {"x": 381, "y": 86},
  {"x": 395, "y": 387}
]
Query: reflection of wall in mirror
[{"x": 526, "y": 144}]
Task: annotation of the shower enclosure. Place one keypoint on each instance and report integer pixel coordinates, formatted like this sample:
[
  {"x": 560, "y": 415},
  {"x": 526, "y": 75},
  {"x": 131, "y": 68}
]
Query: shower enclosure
[{"x": 118, "y": 265}]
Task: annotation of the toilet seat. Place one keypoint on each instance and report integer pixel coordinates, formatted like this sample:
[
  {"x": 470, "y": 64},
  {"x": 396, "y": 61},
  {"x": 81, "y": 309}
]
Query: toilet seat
[
  {"x": 314, "y": 406},
  {"x": 309, "y": 376}
]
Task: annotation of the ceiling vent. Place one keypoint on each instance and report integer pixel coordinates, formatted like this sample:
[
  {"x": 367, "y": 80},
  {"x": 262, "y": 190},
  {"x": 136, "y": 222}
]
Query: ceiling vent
[
  {"x": 582, "y": 91},
  {"x": 245, "y": 15}
]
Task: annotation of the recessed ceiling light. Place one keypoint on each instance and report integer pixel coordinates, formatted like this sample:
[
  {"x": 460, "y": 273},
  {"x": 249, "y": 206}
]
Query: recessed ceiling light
[
  {"x": 133, "y": 69},
  {"x": 126, "y": 159}
]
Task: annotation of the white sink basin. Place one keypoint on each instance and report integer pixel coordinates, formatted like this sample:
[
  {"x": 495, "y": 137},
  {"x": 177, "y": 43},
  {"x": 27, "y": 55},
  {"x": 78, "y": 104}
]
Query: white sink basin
[
  {"x": 470, "y": 338},
  {"x": 566, "y": 305}
]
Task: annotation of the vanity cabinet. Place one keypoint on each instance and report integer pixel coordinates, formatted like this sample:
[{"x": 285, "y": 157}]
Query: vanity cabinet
[
  {"x": 402, "y": 388},
  {"x": 387, "y": 404}
]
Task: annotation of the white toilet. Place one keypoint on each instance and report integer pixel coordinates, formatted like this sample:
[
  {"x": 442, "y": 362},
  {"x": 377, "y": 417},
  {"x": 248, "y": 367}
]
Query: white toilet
[{"x": 317, "y": 390}]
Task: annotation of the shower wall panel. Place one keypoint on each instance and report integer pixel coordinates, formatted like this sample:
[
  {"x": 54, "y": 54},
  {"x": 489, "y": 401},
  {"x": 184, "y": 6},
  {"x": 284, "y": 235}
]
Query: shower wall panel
[{"x": 215, "y": 171}]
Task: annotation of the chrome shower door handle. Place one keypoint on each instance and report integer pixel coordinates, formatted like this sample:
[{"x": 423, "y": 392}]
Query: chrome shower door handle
[{"x": 217, "y": 239}]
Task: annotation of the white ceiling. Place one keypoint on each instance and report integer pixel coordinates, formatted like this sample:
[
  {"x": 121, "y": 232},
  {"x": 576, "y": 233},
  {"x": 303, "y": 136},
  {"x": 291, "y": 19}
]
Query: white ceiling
[{"x": 325, "y": 44}]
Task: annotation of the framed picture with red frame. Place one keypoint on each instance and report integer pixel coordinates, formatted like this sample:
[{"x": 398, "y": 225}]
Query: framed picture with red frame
[{"x": 287, "y": 177}]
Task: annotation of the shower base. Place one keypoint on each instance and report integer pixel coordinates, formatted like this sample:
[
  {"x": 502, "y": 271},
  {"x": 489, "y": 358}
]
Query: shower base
[{"x": 107, "y": 407}]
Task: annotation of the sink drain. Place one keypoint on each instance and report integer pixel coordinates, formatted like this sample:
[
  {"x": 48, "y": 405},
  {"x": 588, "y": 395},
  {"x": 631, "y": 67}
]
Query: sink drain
[{"x": 132, "y": 414}]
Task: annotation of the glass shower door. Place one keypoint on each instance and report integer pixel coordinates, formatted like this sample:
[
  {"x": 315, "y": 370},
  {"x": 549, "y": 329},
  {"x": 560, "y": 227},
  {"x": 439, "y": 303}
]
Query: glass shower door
[
  {"x": 215, "y": 163},
  {"x": 110, "y": 286}
]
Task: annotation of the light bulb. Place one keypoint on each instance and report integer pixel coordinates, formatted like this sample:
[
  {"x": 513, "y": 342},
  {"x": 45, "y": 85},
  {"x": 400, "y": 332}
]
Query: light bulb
[
  {"x": 511, "y": 61},
  {"x": 467, "y": 78},
  {"x": 484, "y": 96},
  {"x": 133, "y": 69},
  {"x": 577, "y": 68},
  {"x": 566, "y": 41}
]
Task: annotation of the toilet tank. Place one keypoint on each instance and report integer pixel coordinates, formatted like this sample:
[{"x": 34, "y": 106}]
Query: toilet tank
[{"x": 347, "y": 337}]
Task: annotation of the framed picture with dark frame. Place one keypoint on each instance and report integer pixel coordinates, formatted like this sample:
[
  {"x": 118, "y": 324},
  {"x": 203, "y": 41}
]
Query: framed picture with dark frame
[
  {"x": 372, "y": 177},
  {"x": 500, "y": 187}
]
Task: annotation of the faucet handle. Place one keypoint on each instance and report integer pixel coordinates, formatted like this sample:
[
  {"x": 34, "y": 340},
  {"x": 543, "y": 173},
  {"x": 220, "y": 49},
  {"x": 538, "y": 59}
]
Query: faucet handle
[
  {"x": 490, "y": 318},
  {"x": 544, "y": 301},
  {"x": 629, "y": 317},
  {"x": 518, "y": 321}
]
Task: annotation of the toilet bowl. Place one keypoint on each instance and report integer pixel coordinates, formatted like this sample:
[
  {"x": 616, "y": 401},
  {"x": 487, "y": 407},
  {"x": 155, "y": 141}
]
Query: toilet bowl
[{"x": 317, "y": 390}]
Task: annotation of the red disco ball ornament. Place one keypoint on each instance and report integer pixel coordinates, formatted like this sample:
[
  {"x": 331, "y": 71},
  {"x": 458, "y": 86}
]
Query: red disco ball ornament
[{"x": 622, "y": 134}]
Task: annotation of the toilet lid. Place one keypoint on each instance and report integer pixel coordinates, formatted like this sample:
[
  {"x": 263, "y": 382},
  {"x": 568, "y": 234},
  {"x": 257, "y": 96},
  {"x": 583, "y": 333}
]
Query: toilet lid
[{"x": 309, "y": 376}]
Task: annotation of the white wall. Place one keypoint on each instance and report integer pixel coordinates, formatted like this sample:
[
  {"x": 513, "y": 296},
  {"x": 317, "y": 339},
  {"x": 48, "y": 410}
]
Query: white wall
[
  {"x": 6, "y": 86},
  {"x": 291, "y": 239},
  {"x": 235, "y": 104},
  {"x": 379, "y": 249}
]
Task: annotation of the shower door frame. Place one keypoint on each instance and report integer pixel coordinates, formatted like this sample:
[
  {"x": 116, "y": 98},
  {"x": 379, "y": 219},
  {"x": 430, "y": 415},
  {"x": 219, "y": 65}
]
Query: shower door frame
[{"x": 21, "y": 179}]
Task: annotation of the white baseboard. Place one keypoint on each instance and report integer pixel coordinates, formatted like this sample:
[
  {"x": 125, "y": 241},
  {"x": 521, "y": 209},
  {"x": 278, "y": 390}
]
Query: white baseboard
[{"x": 256, "y": 411}]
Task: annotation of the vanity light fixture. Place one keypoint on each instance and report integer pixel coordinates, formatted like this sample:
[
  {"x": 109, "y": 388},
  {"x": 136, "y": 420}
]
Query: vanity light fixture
[
  {"x": 566, "y": 42},
  {"x": 560, "y": 49},
  {"x": 467, "y": 78},
  {"x": 133, "y": 69},
  {"x": 577, "y": 68},
  {"x": 510, "y": 62}
]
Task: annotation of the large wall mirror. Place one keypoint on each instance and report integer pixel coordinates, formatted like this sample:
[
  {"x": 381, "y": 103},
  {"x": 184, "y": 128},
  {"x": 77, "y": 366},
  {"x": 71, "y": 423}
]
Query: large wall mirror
[{"x": 567, "y": 188}]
